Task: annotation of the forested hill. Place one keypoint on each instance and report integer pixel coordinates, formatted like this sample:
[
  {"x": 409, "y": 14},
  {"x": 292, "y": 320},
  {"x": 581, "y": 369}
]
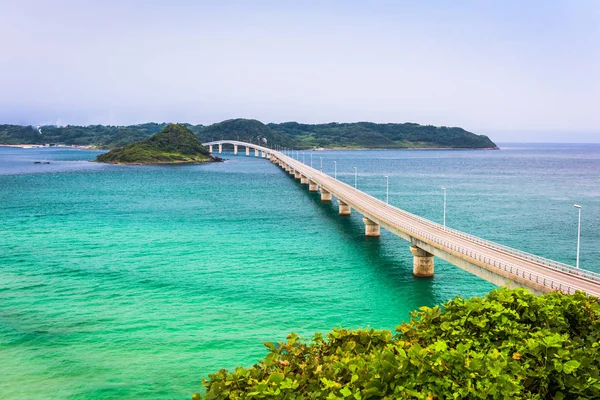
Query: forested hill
[
  {"x": 287, "y": 134},
  {"x": 172, "y": 145},
  {"x": 388, "y": 136}
]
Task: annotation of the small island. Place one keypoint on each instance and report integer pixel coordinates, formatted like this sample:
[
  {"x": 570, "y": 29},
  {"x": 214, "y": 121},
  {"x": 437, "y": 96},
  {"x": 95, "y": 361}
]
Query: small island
[{"x": 174, "y": 144}]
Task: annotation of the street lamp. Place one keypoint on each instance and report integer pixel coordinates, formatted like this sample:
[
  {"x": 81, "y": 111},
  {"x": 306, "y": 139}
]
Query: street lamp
[
  {"x": 303, "y": 158},
  {"x": 578, "y": 207},
  {"x": 335, "y": 170},
  {"x": 444, "y": 189},
  {"x": 355, "y": 177},
  {"x": 321, "y": 163},
  {"x": 311, "y": 160},
  {"x": 387, "y": 189}
]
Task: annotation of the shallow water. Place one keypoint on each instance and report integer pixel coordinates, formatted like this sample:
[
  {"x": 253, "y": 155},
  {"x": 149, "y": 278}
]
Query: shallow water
[{"x": 141, "y": 280}]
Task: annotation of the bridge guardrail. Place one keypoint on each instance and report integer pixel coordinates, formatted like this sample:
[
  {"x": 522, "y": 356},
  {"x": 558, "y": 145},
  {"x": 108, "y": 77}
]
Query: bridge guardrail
[
  {"x": 553, "y": 284},
  {"x": 519, "y": 253}
]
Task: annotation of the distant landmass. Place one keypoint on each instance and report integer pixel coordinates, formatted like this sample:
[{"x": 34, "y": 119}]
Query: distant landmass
[
  {"x": 174, "y": 144},
  {"x": 367, "y": 135}
]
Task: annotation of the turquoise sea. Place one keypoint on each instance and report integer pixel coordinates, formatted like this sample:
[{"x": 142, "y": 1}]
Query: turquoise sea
[{"x": 131, "y": 281}]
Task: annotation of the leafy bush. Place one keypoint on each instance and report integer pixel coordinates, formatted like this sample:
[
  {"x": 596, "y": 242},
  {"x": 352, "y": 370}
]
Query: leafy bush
[{"x": 510, "y": 344}]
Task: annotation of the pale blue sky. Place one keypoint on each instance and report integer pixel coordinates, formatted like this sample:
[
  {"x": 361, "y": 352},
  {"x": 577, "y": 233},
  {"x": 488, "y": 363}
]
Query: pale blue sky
[{"x": 515, "y": 70}]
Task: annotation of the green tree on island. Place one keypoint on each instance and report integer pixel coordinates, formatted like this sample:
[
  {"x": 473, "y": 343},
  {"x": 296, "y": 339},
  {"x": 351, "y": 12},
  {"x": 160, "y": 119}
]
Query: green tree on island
[{"x": 174, "y": 144}]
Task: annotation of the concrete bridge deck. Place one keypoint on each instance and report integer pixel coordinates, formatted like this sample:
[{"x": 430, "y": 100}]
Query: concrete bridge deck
[{"x": 495, "y": 263}]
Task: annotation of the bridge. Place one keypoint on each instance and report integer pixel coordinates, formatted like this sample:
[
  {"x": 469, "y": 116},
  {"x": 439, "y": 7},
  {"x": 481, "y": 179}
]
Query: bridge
[{"x": 498, "y": 264}]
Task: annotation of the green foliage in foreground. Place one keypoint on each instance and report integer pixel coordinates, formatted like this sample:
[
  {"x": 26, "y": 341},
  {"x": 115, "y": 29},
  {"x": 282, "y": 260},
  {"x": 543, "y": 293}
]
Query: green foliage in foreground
[
  {"x": 510, "y": 344},
  {"x": 174, "y": 144}
]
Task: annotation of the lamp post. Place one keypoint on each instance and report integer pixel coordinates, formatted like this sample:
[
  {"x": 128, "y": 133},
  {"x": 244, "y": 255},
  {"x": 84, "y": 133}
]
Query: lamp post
[
  {"x": 311, "y": 160},
  {"x": 387, "y": 189},
  {"x": 444, "y": 189},
  {"x": 335, "y": 170},
  {"x": 321, "y": 163},
  {"x": 303, "y": 158},
  {"x": 355, "y": 177},
  {"x": 578, "y": 207}
]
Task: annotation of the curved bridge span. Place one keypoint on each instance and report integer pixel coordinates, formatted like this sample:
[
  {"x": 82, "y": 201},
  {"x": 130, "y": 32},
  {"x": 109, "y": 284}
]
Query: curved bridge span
[{"x": 493, "y": 262}]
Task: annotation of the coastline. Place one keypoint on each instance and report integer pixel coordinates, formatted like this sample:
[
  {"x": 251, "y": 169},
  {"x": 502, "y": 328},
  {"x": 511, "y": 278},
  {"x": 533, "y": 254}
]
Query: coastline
[
  {"x": 43, "y": 146},
  {"x": 64, "y": 146},
  {"x": 402, "y": 148},
  {"x": 161, "y": 163}
]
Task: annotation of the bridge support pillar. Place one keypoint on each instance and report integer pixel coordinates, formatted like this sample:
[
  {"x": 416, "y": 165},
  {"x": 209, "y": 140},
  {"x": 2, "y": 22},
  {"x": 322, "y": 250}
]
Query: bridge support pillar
[
  {"x": 312, "y": 186},
  {"x": 263, "y": 154},
  {"x": 220, "y": 148},
  {"x": 255, "y": 152},
  {"x": 304, "y": 180},
  {"x": 325, "y": 195},
  {"x": 247, "y": 150},
  {"x": 344, "y": 208},
  {"x": 422, "y": 263},
  {"x": 297, "y": 175},
  {"x": 371, "y": 228},
  {"x": 235, "y": 149},
  {"x": 210, "y": 148}
]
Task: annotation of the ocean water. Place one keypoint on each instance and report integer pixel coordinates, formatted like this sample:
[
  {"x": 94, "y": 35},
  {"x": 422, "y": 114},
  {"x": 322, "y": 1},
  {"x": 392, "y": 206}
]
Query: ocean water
[{"x": 127, "y": 281}]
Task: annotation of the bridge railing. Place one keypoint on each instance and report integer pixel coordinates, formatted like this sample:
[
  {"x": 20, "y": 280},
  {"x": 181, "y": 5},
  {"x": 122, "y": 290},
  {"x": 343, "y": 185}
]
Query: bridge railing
[
  {"x": 553, "y": 284},
  {"x": 532, "y": 257},
  {"x": 542, "y": 280},
  {"x": 594, "y": 276},
  {"x": 509, "y": 250}
]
